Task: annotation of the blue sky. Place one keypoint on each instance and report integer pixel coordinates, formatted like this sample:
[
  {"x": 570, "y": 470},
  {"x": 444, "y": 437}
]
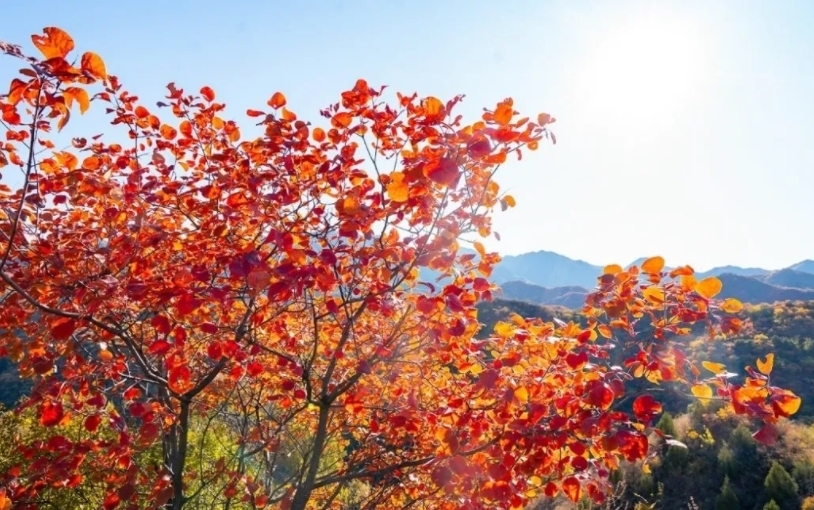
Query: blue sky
[{"x": 684, "y": 128}]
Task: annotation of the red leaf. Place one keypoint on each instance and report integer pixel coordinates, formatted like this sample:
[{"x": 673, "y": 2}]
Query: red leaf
[
  {"x": 112, "y": 500},
  {"x": 50, "y": 413},
  {"x": 645, "y": 408},
  {"x": 179, "y": 379},
  {"x": 214, "y": 351},
  {"x": 159, "y": 347},
  {"x": 254, "y": 368},
  {"x": 443, "y": 171},
  {"x": 576, "y": 360},
  {"x": 208, "y": 94},
  {"x": 208, "y": 327},
  {"x": 63, "y": 328},
  {"x": 92, "y": 423},
  {"x": 161, "y": 324},
  {"x": 766, "y": 435},
  {"x": 187, "y": 304},
  {"x": 441, "y": 476}
]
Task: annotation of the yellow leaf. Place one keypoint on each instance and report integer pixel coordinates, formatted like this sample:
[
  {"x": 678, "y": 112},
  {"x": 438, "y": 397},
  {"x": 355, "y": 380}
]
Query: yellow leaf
[
  {"x": 702, "y": 391},
  {"x": 654, "y": 294},
  {"x": 653, "y": 265},
  {"x": 521, "y": 394},
  {"x": 765, "y": 367},
  {"x": 604, "y": 330},
  {"x": 731, "y": 305},
  {"x": 504, "y": 329},
  {"x": 509, "y": 201},
  {"x": 479, "y": 248},
  {"x": 397, "y": 189},
  {"x": 788, "y": 404},
  {"x": 715, "y": 368},
  {"x": 612, "y": 269},
  {"x": 709, "y": 287}
]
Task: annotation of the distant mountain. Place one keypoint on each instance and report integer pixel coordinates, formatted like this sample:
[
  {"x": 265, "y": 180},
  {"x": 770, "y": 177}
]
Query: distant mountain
[
  {"x": 752, "y": 290},
  {"x": 790, "y": 278},
  {"x": 548, "y": 278},
  {"x": 806, "y": 266},
  {"x": 547, "y": 269},
  {"x": 740, "y": 271},
  {"x": 572, "y": 297}
]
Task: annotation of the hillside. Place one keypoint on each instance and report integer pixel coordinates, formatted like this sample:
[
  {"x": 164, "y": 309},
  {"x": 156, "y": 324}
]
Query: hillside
[{"x": 786, "y": 329}]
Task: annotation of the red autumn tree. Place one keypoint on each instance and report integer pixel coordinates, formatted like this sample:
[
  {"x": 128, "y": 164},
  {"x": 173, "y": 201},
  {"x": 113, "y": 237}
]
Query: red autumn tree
[{"x": 254, "y": 309}]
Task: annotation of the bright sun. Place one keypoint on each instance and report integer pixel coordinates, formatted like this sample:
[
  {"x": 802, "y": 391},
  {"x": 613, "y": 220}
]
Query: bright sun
[{"x": 642, "y": 72}]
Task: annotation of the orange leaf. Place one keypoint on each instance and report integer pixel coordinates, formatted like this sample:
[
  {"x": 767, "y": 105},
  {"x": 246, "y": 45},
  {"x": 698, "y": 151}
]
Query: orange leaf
[
  {"x": 5, "y": 502},
  {"x": 653, "y": 265},
  {"x": 709, "y": 287},
  {"x": 731, "y": 305},
  {"x": 504, "y": 112},
  {"x": 434, "y": 109},
  {"x": 55, "y": 43},
  {"x": 342, "y": 120},
  {"x": 612, "y": 269},
  {"x": 319, "y": 135},
  {"x": 277, "y": 101},
  {"x": 168, "y": 132},
  {"x": 786, "y": 404},
  {"x": 572, "y": 489},
  {"x": 79, "y": 95},
  {"x": 765, "y": 367},
  {"x": 397, "y": 189},
  {"x": 94, "y": 65}
]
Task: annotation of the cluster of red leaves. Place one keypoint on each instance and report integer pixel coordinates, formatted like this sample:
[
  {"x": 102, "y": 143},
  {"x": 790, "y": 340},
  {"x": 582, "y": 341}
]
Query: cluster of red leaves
[{"x": 191, "y": 271}]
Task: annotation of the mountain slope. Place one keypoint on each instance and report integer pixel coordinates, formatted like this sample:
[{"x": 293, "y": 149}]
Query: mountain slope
[
  {"x": 752, "y": 290},
  {"x": 547, "y": 269},
  {"x": 806, "y": 266},
  {"x": 790, "y": 278}
]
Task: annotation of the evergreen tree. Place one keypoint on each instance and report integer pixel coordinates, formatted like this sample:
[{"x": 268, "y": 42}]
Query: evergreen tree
[
  {"x": 771, "y": 505},
  {"x": 666, "y": 425},
  {"x": 781, "y": 487},
  {"x": 727, "y": 500}
]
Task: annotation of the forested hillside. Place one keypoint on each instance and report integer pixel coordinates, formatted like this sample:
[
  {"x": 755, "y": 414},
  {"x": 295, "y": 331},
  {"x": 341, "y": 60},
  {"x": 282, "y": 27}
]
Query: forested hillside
[{"x": 722, "y": 466}]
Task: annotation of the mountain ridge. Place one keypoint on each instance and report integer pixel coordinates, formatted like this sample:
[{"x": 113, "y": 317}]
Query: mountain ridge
[{"x": 549, "y": 278}]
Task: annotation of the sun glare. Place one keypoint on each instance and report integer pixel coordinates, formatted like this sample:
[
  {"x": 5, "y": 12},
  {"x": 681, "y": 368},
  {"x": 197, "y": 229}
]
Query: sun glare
[{"x": 642, "y": 72}]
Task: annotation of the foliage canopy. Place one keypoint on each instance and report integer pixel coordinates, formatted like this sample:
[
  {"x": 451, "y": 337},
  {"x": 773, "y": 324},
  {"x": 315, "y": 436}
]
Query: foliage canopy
[{"x": 191, "y": 281}]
